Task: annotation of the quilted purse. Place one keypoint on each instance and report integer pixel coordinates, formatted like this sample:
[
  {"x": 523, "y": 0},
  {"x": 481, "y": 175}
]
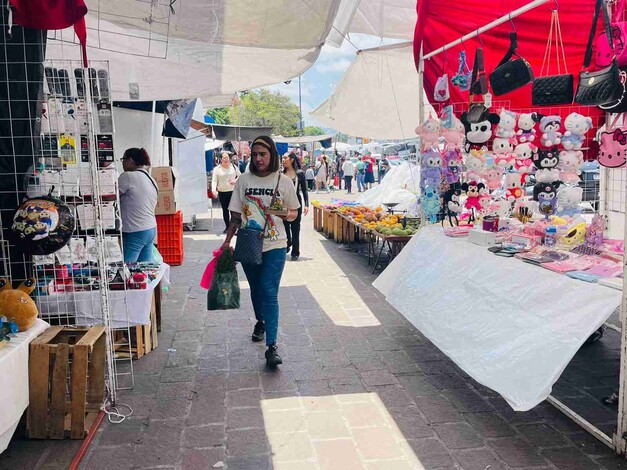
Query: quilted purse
[
  {"x": 603, "y": 87},
  {"x": 550, "y": 90},
  {"x": 510, "y": 75},
  {"x": 249, "y": 243}
]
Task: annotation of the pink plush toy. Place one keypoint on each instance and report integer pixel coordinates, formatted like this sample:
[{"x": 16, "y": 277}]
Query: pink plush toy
[
  {"x": 454, "y": 136},
  {"x": 569, "y": 163},
  {"x": 429, "y": 133},
  {"x": 504, "y": 152},
  {"x": 475, "y": 165},
  {"x": 493, "y": 176},
  {"x": 523, "y": 153}
]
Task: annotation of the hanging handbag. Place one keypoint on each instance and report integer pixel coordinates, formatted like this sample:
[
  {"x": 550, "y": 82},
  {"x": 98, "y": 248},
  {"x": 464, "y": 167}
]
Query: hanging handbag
[
  {"x": 604, "y": 53},
  {"x": 510, "y": 75},
  {"x": 477, "y": 110},
  {"x": 249, "y": 243},
  {"x": 602, "y": 88},
  {"x": 551, "y": 90},
  {"x": 613, "y": 148},
  {"x": 441, "y": 92}
]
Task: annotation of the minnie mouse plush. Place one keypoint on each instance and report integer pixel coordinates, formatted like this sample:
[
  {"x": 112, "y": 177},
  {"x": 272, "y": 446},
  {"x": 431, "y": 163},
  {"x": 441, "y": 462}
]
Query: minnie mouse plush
[{"x": 473, "y": 197}]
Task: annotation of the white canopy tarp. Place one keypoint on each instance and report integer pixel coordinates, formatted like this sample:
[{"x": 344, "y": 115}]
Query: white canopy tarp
[
  {"x": 400, "y": 185},
  {"x": 394, "y": 19},
  {"x": 377, "y": 98},
  {"x": 304, "y": 139},
  {"x": 207, "y": 49}
]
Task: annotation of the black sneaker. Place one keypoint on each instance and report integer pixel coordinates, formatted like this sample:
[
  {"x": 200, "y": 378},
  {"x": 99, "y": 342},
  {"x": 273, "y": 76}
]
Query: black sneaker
[
  {"x": 259, "y": 332},
  {"x": 272, "y": 357},
  {"x": 294, "y": 257}
]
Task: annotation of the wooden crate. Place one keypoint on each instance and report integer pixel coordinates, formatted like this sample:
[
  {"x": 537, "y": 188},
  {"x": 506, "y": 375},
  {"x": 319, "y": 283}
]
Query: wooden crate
[
  {"x": 144, "y": 338},
  {"x": 317, "y": 218},
  {"x": 66, "y": 373}
]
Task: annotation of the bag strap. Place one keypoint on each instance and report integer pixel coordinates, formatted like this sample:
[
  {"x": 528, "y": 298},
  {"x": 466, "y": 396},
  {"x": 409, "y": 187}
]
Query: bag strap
[
  {"x": 154, "y": 185},
  {"x": 555, "y": 30},
  {"x": 513, "y": 45},
  {"x": 272, "y": 201},
  {"x": 619, "y": 9},
  {"x": 600, "y": 5},
  {"x": 478, "y": 82}
]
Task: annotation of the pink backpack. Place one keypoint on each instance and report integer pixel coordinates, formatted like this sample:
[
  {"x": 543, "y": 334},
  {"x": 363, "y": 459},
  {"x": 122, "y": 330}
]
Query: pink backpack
[{"x": 604, "y": 53}]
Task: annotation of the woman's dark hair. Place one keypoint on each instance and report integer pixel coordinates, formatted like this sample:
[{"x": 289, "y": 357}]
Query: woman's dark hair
[
  {"x": 139, "y": 156},
  {"x": 295, "y": 162},
  {"x": 269, "y": 144}
]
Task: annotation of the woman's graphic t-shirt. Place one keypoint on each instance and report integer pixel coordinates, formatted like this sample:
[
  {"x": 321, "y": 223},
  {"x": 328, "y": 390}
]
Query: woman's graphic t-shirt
[{"x": 252, "y": 194}]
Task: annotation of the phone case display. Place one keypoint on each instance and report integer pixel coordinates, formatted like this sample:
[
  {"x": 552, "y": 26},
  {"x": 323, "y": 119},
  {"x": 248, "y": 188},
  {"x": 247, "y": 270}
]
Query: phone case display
[{"x": 104, "y": 148}]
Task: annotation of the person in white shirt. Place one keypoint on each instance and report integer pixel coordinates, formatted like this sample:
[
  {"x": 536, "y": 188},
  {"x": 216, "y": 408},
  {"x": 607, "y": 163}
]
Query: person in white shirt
[
  {"x": 349, "y": 172},
  {"x": 223, "y": 180},
  {"x": 138, "y": 199},
  {"x": 310, "y": 176}
]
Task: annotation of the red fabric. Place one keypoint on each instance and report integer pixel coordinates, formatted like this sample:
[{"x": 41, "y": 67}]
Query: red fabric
[
  {"x": 48, "y": 14},
  {"x": 443, "y": 21}
]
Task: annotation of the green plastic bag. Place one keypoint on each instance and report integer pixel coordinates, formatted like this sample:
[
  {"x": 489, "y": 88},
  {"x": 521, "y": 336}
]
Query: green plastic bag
[{"x": 224, "y": 292}]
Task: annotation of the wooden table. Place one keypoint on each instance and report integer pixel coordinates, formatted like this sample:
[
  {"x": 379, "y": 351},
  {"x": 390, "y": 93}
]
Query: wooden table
[{"x": 394, "y": 243}]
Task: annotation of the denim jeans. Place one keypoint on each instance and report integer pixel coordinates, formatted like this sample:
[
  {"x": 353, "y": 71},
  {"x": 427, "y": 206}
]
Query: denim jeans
[
  {"x": 361, "y": 181},
  {"x": 264, "y": 283},
  {"x": 138, "y": 245}
]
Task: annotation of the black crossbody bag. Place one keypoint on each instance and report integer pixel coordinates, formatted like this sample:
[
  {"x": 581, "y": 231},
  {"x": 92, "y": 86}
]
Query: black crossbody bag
[{"x": 510, "y": 75}]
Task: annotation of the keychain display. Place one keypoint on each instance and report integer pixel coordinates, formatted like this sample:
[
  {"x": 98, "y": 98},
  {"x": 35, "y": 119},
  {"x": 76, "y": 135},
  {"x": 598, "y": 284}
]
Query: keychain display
[{"x": 462, "y": 78}]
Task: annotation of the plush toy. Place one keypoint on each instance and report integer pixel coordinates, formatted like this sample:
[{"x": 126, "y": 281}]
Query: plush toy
[
  {"x": 569, "y": 201},
  {"x": 550, "y": 127},
  {"x": 575, "y": 235},
  {"x": 569, "y": 163},
  {"x": 504, "y": 152},
  {"x": 452, "y": 165},
  {"x": 513, "y": 190},
  {"x": 429, "y": 133},
  {"x": 545, "y": 191},
  {"x": 16, "y": 303},
  {"x": 452, "y": 206},
  {"x": 431, "y": 204},
  {"x": 613, "y": 150},
  {"x": 431, "y": 170},
  {"x": 507, "y": 124},
  {"x": 493, "y": 176},
  {"x": 546, "y": 162},
  {"x": 547, "y": 202},
  {"x": 473, "y": 194},
  {"x": 524, "y": 154},
  {"x": 499, "y": 208},
  {"x": 576, "y": 126},
  {"x": 475, "y": 165},
  {"x": 479, "y": 133},
  {"x": 526, "y": 127},
  {"x": 454, "y": 135}
]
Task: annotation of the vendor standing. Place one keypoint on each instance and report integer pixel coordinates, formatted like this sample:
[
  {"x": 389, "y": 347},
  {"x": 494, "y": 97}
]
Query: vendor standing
[
  {"x": 223, "y": 179},
  {"x": 138, "y": 199}
]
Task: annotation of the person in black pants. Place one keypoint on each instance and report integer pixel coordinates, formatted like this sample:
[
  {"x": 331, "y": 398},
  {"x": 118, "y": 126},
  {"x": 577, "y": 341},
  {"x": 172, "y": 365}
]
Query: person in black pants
[
  {"x": 292, "y": 169},
  {"x": 223, "y": 181}
]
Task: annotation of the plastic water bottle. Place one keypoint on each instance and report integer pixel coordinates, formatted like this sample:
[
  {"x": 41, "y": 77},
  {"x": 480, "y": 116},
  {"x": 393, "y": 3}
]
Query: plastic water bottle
[{"x": 550, "y": 236}]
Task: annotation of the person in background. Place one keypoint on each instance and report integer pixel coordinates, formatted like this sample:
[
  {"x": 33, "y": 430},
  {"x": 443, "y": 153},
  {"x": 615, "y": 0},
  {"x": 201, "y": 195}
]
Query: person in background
[
  {"x": 251, "y": 199},
  {"x": 138, "y": 199},
  {"x": 348, "y": 169},
  {"x": 322, "y": 177},
  {"x": 384, "y": 166},
  {"x": 310, "y": 177},
  {"x": 223, "y": 179},
  {"x": 369, "y": 171},
  {"x": 292, "y": 169},
  {"x": 361, "y": 175},
  {"x": 338, "y": 163},
  {"x": 243, "y": 163}
]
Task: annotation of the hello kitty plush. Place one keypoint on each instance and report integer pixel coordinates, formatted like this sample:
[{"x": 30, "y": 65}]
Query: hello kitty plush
[
  {"x": 576, "y": 126},
  {"x": 454, "y": 135},
  {"x": 504, "y": 152},
  {"x": 513, "y": 190},
  {"x": 550, "y": 127},
  {"x": 569, "y": 163},
  {"x": 475, "y": 165},
  {"x": 569, "y": 201},
  {"x": 524, "y": 154},
  {"x": 429, "y": 133},
  {"x": 526, "y": 127},
  {"x": 507, "y": 126},
  {"x": 493, "y": 176}
]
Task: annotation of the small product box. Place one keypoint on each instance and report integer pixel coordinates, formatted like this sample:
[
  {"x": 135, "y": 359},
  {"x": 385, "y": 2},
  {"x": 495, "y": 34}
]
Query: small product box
[
  {"x": 166, "y": 203},
  {"x": 482, "y": 237},
  {"x": 166, "y": 177}
]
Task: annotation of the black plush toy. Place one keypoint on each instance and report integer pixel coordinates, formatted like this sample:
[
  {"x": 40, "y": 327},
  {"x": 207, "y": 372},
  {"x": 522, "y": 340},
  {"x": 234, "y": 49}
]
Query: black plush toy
[
  {"x": 546, "y": 159},
  {"x": 452, "y": 207},
  {"x": 480, "y": 132},
  {"x": 545, "y": 190}
]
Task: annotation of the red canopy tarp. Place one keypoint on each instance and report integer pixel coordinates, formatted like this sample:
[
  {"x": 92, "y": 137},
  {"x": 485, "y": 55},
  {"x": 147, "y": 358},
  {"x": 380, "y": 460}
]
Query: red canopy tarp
[{"x": 443, "y": 21}]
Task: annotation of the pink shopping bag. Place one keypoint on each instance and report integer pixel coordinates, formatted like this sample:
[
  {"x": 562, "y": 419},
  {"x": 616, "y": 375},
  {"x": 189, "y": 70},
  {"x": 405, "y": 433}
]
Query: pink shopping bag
[{"x": 205, "y": 281}]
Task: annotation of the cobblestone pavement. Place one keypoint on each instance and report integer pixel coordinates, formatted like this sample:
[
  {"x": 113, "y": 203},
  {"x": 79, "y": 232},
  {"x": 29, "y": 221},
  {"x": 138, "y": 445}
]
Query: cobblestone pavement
[{"x": 360, "y": 387}]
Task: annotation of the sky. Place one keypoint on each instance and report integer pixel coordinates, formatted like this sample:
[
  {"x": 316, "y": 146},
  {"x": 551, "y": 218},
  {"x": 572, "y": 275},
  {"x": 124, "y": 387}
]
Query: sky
[{"x": 318, "y": 82}]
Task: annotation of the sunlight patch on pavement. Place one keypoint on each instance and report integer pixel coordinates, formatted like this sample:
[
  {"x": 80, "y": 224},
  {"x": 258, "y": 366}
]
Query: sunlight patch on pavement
[{"x": 353, "y": 431}]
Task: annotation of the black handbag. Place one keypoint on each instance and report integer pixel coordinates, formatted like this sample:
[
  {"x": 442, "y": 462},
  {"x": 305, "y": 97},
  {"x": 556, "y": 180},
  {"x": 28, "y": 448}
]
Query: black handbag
[
  {"x": 551, "y": 90},
  {"x": 249, "y": 243},
  {"x": 604, "y": 87},
  {"x": 477, "y": 110},
  {"x": 510, "y": 75}
]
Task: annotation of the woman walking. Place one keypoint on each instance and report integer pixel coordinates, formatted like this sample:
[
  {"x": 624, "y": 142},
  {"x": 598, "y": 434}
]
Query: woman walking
[
  {"x": 224, "y": 178},
  {"x": 292, "y": 169},
  {"x": 252, "y": 197},
  {"x": 323, "y": 174},
  {"x": 138, "y": 199}
]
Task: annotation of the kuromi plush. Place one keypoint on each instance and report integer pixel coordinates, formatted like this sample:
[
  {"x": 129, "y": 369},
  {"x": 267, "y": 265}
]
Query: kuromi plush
[{"x": 550, "y": 127}]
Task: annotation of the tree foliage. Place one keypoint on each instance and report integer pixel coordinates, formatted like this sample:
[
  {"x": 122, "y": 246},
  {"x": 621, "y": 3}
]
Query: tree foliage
[
  {"x": 264, "y": 108},
  {"x": 220, "y": 115},
  {"x": 313, "y": 130}
]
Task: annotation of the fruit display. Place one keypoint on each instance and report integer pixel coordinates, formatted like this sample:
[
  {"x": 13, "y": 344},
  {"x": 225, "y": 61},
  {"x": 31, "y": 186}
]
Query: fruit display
[{"x": 379, "y": 221}]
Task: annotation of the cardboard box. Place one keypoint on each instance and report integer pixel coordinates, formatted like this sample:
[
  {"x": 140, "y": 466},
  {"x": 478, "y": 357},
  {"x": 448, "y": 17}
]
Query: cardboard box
[
  {"x": 481, "y": 237},
  {"x": 166, "y": 203},
  {"x": 166, "y": 177}
]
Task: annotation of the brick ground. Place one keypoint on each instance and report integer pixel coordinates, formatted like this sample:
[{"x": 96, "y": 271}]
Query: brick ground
[{"x": 360, "y": 387}]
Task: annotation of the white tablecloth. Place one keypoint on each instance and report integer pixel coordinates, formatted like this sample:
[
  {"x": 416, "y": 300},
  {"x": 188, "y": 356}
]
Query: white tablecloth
[
  {"x": 86, "y": 307},
  {"x": 14, "y": 373},
  {"x": 512, "y": 326}
]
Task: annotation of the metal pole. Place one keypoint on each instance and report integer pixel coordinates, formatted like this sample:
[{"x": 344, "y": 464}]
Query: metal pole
[
  {"x": 300, "y": 107},
  {"x": 421, "y": 95},
  {"x": 152, "y": 128}
]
